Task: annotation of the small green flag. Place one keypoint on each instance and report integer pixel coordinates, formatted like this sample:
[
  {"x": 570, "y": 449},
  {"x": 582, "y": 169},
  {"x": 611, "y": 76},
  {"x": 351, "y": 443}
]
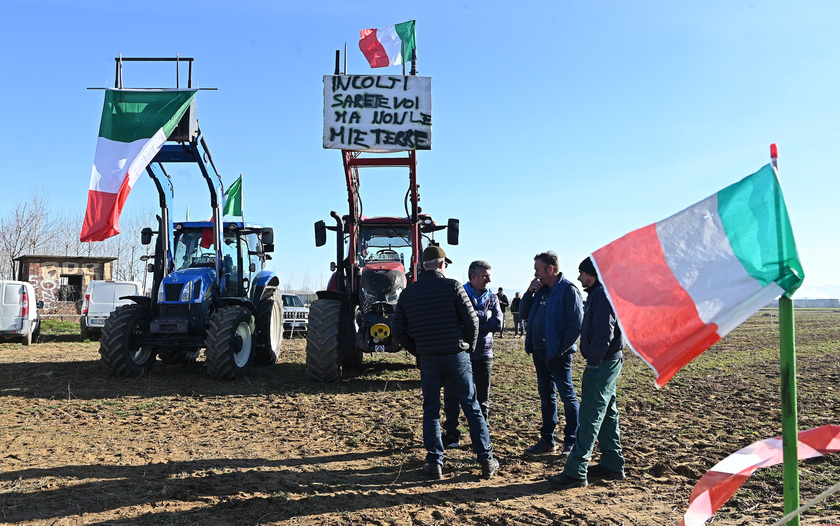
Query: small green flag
[{"x": 233, "y": 199}]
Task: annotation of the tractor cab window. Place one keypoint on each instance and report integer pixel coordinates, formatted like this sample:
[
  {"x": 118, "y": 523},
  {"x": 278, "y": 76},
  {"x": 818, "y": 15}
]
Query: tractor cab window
[
  {"x": 254, "y": 250},
  {"x": 231, "y": 264},
  {"x": 384, "y": 244},
  {"x": 192, "y": 249}
]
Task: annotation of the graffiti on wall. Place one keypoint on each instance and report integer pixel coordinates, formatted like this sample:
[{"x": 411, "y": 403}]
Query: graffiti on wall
[{"x": 45, "y": 276}]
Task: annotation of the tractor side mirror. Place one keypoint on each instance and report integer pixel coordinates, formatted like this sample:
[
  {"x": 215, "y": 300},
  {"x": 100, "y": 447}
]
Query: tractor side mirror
[
  {"x": 146, "y": 236},
  {"x": 267, "y": 236},
  {"x": 268, "y": 247},
  {"x": 40, "y": 304},
  {"x": 320, "y": 233},
  {"x": 453, "y": 229}
]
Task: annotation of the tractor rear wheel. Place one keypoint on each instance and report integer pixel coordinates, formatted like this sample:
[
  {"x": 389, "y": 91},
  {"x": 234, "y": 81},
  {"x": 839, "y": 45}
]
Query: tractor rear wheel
[
  {"x": 269, "y": 334},
  {"x": 230, "y": 343},
  {"x": 121, "y": 354},
  {"x": 323, "y": 363}
]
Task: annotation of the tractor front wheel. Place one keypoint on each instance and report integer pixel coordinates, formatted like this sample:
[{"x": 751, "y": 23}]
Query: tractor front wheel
[
  {"x": 230, "y": 343},
  {"x": 269, "y": 330},
  {"x": 120, "y": 353},
  {"x": 323, "y": 363}
]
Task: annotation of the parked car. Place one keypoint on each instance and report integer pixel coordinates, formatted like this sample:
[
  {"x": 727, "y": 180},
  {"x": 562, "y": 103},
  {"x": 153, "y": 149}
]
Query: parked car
[
  {"x": 295, "y": 314},
  {"x": 19, "y": 318},
  {"x": 102, "y": 297}
]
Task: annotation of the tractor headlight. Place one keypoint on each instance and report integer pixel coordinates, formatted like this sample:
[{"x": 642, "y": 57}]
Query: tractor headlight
[
  {"x": 394, "y": 296},
  {"x": 161, "y": 294},
  {"x": 186, "y": 293},
  {"x": 367, "y": 299}
]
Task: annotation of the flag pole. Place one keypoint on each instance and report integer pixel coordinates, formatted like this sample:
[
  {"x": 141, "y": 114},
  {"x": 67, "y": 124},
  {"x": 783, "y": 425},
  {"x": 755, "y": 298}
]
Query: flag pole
[
  {"x": 242, "y": 204},
  {"x": 787, "y": 361}
]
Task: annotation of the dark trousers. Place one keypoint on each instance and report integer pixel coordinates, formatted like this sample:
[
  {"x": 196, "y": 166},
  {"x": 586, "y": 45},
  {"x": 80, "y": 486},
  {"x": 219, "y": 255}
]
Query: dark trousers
[
  {"x": 453, "y": 373},
  {"x": 481, "y": 370}
]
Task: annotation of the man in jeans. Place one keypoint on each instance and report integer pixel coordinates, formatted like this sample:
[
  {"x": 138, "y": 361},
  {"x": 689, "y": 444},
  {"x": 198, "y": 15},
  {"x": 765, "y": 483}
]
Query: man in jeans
[
  {"x": 601, "y": 342},
  {"x": 503, "y": 304},
  {"x": 554, "y": 310},
  {"x": 435, "y": 321},
  {"x": 486, "y": 306},
  {"x": 518, "y": 329}
]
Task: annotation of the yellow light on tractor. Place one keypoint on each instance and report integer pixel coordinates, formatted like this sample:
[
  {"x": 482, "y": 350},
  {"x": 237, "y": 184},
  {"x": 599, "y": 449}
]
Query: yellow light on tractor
[{"x": 380, "y": 331}]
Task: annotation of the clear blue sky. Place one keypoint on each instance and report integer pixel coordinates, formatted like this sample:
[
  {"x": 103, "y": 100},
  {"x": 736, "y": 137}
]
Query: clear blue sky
[{"x": 557, "y": 125}]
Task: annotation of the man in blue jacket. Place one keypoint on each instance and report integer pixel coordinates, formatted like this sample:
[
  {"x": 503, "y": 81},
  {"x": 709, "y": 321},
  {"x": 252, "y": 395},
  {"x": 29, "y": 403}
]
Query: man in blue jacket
[
  {"x": 554, "y": 310},
  {"x": 601, "y": 342},
  {"x": 486, "y": 306}
]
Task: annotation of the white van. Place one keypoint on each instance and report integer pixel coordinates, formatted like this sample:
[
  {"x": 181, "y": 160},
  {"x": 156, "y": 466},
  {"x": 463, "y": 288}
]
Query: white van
[
  {"x": 102, "y": 297},
  {"x": 19, "y": 317}
]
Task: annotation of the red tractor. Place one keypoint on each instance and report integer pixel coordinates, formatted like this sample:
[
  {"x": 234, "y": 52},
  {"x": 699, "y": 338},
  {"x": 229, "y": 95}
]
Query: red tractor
[{"x": 382, "y": 257}]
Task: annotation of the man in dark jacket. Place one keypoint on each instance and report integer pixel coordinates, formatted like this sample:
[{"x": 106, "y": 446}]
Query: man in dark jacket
[
  {"x": 503, "y": 304},
  {"x": 601, "y": 342},
  {"x": 517, "y": 320},
  {"x": 554, "y": 312},
  {"x": 486, "y": 306},
  {"x": 435, "y": 321}
]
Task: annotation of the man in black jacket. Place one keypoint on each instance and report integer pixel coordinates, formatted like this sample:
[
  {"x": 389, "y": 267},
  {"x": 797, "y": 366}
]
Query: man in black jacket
[
  {"x": 435, "y": 321},
  {"x": 503, "y": 304},
  {"x": 601, "y": 342}
]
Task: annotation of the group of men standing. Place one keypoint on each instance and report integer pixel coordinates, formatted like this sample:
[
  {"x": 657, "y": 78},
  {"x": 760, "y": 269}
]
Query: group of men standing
[{"x": 450, "y": 327}]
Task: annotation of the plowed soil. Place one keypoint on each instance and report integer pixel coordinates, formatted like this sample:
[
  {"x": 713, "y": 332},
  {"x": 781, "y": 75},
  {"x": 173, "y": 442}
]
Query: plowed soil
[{"x": 79, "y": 446}]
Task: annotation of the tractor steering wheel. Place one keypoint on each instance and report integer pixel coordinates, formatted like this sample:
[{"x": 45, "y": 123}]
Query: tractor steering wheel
[{"x": 386, "y": 251}]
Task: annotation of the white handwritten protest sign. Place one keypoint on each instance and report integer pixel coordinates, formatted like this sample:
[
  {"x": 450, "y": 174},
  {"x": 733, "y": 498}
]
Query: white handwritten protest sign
[{"x": 377, "y": 113}]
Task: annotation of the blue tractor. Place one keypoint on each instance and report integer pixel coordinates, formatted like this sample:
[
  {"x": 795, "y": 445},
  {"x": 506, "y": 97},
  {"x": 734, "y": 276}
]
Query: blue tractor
[{"x": 210, "y": 289}]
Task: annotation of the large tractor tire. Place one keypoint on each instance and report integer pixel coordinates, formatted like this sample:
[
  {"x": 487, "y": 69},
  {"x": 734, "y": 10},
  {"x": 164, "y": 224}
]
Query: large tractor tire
[
  {"x": 120, "y": 353},
  {"x": 230, "y": 343},
  {"x": 269, "y": 336},
  {"x": 323, "y": 363}
]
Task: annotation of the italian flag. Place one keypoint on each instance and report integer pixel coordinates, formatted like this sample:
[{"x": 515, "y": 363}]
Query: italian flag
[
  {"x": 384, "y": 47},
  {"x": 679, "y": 285},
  {"x": 133, "y": 128}
]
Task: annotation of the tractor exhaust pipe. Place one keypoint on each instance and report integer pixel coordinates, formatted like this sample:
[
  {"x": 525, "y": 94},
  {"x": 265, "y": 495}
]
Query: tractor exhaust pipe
[{"x": 339, "y": 254}]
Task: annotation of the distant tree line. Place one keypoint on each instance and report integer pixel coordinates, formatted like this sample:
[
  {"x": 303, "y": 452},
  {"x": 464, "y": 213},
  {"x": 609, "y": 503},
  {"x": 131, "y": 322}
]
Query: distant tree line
[{"x": 35, "y": 227}]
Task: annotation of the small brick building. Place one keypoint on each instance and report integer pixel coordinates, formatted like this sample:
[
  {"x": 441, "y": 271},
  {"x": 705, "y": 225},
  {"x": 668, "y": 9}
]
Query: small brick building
[{"x": 60, "y": 281}]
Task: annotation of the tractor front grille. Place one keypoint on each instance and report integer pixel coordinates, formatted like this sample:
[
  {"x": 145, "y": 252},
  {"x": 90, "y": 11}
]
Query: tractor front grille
[{"x": 172, "y": 291}]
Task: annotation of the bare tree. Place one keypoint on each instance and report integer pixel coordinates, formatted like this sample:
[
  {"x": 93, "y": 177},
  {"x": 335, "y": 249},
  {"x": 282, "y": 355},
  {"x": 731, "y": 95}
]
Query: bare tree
[
  {"x": 304, "y": 282},
  {"x": 33, "y": 227},
  {"x": 28, "y": 228}
]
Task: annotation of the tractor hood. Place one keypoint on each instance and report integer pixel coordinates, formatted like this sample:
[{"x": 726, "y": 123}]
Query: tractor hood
[
  {"x": 190, "y": 285},
  {"x": 381, "y": 282}
]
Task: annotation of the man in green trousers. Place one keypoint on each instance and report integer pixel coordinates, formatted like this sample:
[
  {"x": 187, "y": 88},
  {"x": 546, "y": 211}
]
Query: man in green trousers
[{"x": 601, "y": 343}]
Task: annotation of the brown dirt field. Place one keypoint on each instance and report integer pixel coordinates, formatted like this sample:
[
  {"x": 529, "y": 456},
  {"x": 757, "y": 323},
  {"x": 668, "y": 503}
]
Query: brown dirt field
[{"x": 78, "y": 446}]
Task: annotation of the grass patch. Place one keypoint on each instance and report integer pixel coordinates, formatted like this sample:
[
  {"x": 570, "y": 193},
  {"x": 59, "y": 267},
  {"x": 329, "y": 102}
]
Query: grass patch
[{"x": 58, "y": 327}]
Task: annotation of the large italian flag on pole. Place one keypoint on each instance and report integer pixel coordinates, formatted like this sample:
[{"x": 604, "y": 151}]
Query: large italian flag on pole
[
  {"x": 680, "y": 285},
  {"x": 134, "y": 127}
]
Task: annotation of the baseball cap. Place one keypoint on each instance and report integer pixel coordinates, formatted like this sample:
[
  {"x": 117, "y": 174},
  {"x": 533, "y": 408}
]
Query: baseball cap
[{"x": 435, "y": 252}]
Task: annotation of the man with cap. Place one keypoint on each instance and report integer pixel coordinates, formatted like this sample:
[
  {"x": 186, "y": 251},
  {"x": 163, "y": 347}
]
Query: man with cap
[
  {"x": 601, "y": 343},
  {"x": 435, "y": 320}
]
